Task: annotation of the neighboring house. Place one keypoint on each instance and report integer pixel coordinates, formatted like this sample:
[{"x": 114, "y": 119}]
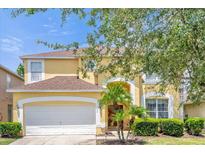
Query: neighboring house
[
  {"x": 56, "y": 99},
  {"x": 195, "y": 110},
  {"x": 8, "y": 79}
]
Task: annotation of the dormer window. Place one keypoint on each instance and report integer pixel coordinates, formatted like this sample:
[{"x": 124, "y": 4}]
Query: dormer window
[{"x": 35, "y": 71}]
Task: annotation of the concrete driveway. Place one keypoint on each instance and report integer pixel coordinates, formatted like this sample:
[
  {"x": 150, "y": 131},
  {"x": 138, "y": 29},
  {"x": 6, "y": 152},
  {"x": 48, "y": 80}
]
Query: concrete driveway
[{"x": 57, "y": 140}]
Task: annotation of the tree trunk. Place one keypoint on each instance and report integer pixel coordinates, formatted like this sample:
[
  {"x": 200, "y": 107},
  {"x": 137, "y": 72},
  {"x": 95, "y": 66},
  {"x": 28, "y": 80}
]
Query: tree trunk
[
  {"x": 130, "y": 125},
  {"x": 122, "y": 131},
  {"x": 118, "y": 132},
  {"x": 122, "y": 134}
]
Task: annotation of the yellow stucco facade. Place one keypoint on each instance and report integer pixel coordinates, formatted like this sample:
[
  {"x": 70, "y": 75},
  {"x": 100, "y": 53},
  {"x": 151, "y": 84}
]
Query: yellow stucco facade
[{"x": 69, "y": 67}]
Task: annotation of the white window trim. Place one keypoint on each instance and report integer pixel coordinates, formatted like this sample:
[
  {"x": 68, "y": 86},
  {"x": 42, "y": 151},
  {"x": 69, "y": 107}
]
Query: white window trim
[
  {"x": 157, "y": 94},
  {"x": 156, "y": 103},
  {"x": 29, "y": 70}
]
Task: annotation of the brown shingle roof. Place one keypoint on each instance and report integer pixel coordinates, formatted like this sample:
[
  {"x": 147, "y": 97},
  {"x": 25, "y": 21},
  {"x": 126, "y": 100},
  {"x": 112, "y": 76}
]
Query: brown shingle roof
[
  {"x": 59, "y": 83},
  {"x": 65, "y": 54},
  {"x": 70, "y": 53}
]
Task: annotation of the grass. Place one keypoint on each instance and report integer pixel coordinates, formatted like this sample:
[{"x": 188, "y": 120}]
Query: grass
[
  {"x": 156, "y": 140},
  {"x": 167, "y": 140},
  {"x": 6, "y": 141}
]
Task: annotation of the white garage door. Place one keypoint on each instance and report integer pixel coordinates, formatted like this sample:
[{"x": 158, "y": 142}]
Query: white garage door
[{"x": 64, "y": 119}]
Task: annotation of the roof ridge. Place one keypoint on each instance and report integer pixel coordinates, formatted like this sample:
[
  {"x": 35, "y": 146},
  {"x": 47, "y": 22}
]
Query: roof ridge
[
  {"x": 59, "y": 83},
  {"x": 51, "y": 52}
]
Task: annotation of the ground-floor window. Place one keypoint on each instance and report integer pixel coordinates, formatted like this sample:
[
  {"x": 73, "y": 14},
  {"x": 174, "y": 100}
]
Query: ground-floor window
[{"x": 157, "y": 108}]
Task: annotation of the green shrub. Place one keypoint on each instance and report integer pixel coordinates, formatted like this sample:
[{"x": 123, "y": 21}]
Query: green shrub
[
  {"x": 194, "y": 126},
  {"x": 160, "y": 124},
  {"x": 172, "y": 127},
  {"x": 10, "y": 129},
  {"x": 145, "y": 127}
]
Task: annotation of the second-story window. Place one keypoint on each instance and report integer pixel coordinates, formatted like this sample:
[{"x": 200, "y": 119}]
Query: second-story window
[
  {"x": 36, "y": 71},
  {"x": 151, "y": 78},
  {"x": 91, "y": 65}
]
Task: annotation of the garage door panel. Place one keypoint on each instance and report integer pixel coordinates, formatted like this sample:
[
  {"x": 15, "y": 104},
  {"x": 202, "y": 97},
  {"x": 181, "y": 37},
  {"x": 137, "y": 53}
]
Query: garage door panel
[
  {"x": 60, "y": 130},
  {"x": 60, "y": 119}
]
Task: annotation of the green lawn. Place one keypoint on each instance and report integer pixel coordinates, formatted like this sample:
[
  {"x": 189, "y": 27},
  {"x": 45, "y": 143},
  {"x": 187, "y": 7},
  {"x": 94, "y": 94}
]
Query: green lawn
[
  {"x": 173, "y": 140},
  {"x": 158, "y": 140},
  {"x": 5, "y": 141}
]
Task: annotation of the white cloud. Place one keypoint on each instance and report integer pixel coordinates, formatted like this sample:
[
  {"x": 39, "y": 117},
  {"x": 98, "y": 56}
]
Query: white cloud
[
  {"x": 52, "y": 31},
  {"x": 66, "y": 33},
  {"x": 47, "y": 26},
  {"x": 11, "y": 44}
]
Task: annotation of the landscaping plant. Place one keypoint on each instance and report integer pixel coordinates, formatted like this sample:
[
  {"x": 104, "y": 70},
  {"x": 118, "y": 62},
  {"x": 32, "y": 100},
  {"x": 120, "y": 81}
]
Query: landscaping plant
[
  {"x": 194, "y": 126},
  {"x": 10, "y": 129},
  {"x": 134, "y": 112},
  {"x": 145, "y": 127},
  {"x": 172, "y": 127},
  {"x": 116, "y": 94}
]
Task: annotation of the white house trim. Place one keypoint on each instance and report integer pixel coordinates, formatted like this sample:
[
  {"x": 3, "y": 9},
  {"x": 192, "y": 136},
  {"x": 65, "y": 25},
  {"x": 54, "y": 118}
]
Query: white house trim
[
  {"x": 155, "y": 94},
  {"x": 29, "y": 70},
  {"x": 130, "y": 82},
  {"x": 21, "y": 102}
]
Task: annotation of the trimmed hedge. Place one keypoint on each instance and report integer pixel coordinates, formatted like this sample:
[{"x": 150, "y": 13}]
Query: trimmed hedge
[
  {"x": 10, "y": 129},
  {"x": 171, "y": 127},
  {"x": 194, "y": 126},
  {"x": 145, "y": 127}
]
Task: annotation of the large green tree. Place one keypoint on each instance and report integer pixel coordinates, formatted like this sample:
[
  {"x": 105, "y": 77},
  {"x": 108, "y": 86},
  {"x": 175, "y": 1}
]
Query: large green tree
[
  {"x": 20, "y": 70},
  {"x": 168, "y": 42}
]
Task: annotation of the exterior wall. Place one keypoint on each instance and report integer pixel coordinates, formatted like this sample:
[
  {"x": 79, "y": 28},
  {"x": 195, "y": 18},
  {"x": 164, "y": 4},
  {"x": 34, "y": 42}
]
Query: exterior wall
[
  {"x": 56, "y": 67},
  {"x": 60, "y": 67},
  {"x": 146, "y": 88},
  {"x": 5, "y": 97},
  {"x": 195, "y": 110}
]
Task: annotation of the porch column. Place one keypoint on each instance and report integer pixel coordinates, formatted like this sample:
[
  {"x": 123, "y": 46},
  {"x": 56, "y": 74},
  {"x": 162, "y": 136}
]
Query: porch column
[
  {"x": 98, "y": 123},
  {"x": 20, "y": 115}
]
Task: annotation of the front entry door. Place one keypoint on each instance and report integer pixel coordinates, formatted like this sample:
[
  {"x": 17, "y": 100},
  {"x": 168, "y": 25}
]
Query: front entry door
[{"x": 112, "y": 125}]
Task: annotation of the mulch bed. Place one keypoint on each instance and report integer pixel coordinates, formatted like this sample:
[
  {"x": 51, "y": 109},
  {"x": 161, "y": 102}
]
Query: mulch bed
[{"x": 117, "y": 142}]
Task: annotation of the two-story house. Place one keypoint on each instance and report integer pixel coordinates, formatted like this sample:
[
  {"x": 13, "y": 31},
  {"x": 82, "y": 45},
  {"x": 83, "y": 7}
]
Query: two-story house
[
  {"x": 56, "y": 99},
  {"x": 8, "y": 79}
]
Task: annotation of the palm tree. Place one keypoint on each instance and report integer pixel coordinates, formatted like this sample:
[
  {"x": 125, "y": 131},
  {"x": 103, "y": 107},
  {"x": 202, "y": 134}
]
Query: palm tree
[
  {"x": 119, "y": 117},
  {"x": 117, "y": 95},
  {"x": 135, "y": 111}
]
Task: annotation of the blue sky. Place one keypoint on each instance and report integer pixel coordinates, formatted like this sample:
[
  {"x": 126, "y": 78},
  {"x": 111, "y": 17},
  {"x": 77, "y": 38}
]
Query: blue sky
[{"x": 18, "y": 35}]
